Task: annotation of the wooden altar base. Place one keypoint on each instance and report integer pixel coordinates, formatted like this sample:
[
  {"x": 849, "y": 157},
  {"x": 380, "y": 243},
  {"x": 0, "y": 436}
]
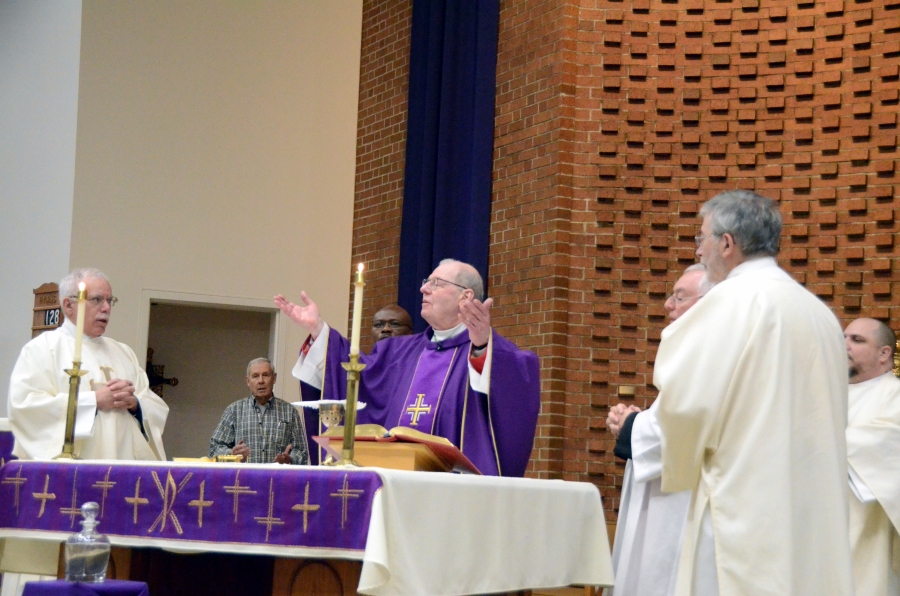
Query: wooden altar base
[{"x": 220, "y": 574}]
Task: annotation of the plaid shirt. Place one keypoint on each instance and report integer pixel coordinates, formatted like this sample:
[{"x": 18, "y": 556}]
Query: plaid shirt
[{"x": 267, "y": 434}]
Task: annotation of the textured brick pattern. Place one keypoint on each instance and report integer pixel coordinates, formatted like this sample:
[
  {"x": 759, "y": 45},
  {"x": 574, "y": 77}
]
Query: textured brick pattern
[
  {"x": 380, "y": 151},
  {"x": 615, "y": 120},
  {"x": 531, "y": 209}
]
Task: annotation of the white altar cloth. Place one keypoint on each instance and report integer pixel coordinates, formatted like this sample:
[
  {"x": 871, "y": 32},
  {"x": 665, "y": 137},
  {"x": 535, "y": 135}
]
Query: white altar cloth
[{"x": 448, "y": 534}]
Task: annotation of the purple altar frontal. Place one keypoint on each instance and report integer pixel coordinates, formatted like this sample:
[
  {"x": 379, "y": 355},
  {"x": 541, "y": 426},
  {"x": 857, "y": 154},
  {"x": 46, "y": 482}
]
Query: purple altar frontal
[
  {"x": 289, "y": 511},
  {"x": 110, "y": 587}
]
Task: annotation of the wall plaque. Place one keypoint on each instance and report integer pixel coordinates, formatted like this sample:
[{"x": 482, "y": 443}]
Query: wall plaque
[{"x": 47, "y": 310}]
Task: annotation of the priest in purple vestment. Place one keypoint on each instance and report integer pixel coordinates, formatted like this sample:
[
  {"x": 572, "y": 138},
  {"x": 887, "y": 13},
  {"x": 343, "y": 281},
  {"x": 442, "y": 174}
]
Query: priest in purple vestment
[{"x": 459, "y": 379}]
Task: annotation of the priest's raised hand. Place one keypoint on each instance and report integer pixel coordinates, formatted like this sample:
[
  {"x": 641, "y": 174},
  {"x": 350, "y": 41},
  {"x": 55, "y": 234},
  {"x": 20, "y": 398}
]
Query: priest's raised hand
[
  {"x": 307, "y": 315},
  {"x": 476, "y": 316}
]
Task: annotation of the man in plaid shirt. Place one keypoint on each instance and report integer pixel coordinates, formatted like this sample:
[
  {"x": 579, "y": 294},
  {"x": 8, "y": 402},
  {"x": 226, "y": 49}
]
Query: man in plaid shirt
[{"x": 261, "y": 427}]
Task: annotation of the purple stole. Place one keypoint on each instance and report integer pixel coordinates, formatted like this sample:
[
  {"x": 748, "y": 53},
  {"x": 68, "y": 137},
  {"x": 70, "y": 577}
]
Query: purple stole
[{"x": 427, "y": 387}]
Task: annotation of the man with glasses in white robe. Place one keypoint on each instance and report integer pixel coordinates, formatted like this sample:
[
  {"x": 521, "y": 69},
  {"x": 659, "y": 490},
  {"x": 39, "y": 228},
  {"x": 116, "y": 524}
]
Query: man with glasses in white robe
[
  {"x": 752, "y": 414},
  {"x": 118, "y": 417},
  {"x": 650, "y": 526}
]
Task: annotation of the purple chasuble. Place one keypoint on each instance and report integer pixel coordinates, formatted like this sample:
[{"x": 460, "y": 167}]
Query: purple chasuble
[
  {"x": 428, "y": 384},
  {"x": 495, "y": 431}
]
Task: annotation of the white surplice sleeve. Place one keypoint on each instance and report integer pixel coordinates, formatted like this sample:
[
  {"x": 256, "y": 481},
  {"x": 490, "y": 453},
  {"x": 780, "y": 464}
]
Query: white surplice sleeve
[
  {"x": 310, "y": 367},
  {"x": 481, "y": 381},
  {"x": 38, "y": 402},
  {"x": 646, "y": 445}
]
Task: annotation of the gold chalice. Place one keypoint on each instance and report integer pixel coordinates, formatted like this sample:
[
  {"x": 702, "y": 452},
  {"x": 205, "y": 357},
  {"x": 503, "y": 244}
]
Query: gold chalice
[{"x": 331, "y": 415}]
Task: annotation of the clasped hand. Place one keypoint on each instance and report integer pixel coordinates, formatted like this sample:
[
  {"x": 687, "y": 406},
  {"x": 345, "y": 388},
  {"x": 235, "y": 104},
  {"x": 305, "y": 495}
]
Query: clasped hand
[
  {"x": 117, "y": 394},
  {"x": 617, "y": 415}
]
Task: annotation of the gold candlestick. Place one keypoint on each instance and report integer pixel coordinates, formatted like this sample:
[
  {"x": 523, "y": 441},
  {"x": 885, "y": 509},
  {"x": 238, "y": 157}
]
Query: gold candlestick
[
  {"x": 353, "y": 368},
  {"x": 75, "y": 373}
]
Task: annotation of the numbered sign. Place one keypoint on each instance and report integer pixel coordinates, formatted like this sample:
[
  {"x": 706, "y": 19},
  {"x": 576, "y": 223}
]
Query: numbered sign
[
  {"x": 51, "y": 317},
  {"x": 47, "y": 311}
]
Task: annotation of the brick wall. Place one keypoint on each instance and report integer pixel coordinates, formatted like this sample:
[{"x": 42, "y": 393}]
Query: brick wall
[
  {"x": 615, "y": 120},
  {"x": 535, "y": 192},
  {"x": 380, "y": 151}
]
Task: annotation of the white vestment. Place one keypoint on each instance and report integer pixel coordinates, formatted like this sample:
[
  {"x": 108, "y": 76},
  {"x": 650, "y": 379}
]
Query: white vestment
[
  {"x": 753, "y": 407},
  {"x": 873, "y": 451},
  {"x": 39, "y": 395},
  {"x": 650, "y": 528}
]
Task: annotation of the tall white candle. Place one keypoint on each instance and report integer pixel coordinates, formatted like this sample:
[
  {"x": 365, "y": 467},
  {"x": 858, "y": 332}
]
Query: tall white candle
[
  {"x": 358, "y": 286},
  {"x": 79, "y": 322}
]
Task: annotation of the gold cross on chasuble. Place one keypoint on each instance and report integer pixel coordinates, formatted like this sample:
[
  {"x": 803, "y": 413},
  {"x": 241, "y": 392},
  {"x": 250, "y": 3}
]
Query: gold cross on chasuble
[
  {"x": 433, "y": 369},
  {"x": 107, "y": 374},
  {"x": 417, "y": 410}
]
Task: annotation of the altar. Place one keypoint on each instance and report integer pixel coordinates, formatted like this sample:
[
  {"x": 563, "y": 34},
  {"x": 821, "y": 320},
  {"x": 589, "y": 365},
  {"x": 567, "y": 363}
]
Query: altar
[{"x": 413, "y": 532}]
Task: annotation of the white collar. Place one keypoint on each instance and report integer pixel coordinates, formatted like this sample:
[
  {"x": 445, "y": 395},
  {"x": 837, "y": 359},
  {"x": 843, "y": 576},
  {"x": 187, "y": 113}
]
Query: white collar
[
  {"x": 753, "y": 264},
  {"x": 447, "y": 333},
  {"x": 871, "y": 382},
  {"x": 68, "y": 327}
]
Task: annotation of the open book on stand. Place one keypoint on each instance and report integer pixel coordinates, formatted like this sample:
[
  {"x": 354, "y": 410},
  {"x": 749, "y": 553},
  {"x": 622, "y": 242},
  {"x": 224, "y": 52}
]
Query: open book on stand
[{"x": 432, "y": 453}]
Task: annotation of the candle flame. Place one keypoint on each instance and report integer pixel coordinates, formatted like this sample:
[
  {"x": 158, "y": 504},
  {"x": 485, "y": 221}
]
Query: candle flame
[
  {"x": 360, "y": 267},
  {"x": 81, "y": 286}
]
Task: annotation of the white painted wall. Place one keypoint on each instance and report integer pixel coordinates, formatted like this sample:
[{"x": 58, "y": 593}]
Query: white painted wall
[
  {"x": 216, "y": 154},
  {"x": 39, "y": 58}
]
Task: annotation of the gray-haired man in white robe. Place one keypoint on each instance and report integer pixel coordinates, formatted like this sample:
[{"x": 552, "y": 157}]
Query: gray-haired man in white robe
[
  {"x": 752, "y": 414},
  {"x": 118, "y": 417},
  {"x": 650, "y": 526}
]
